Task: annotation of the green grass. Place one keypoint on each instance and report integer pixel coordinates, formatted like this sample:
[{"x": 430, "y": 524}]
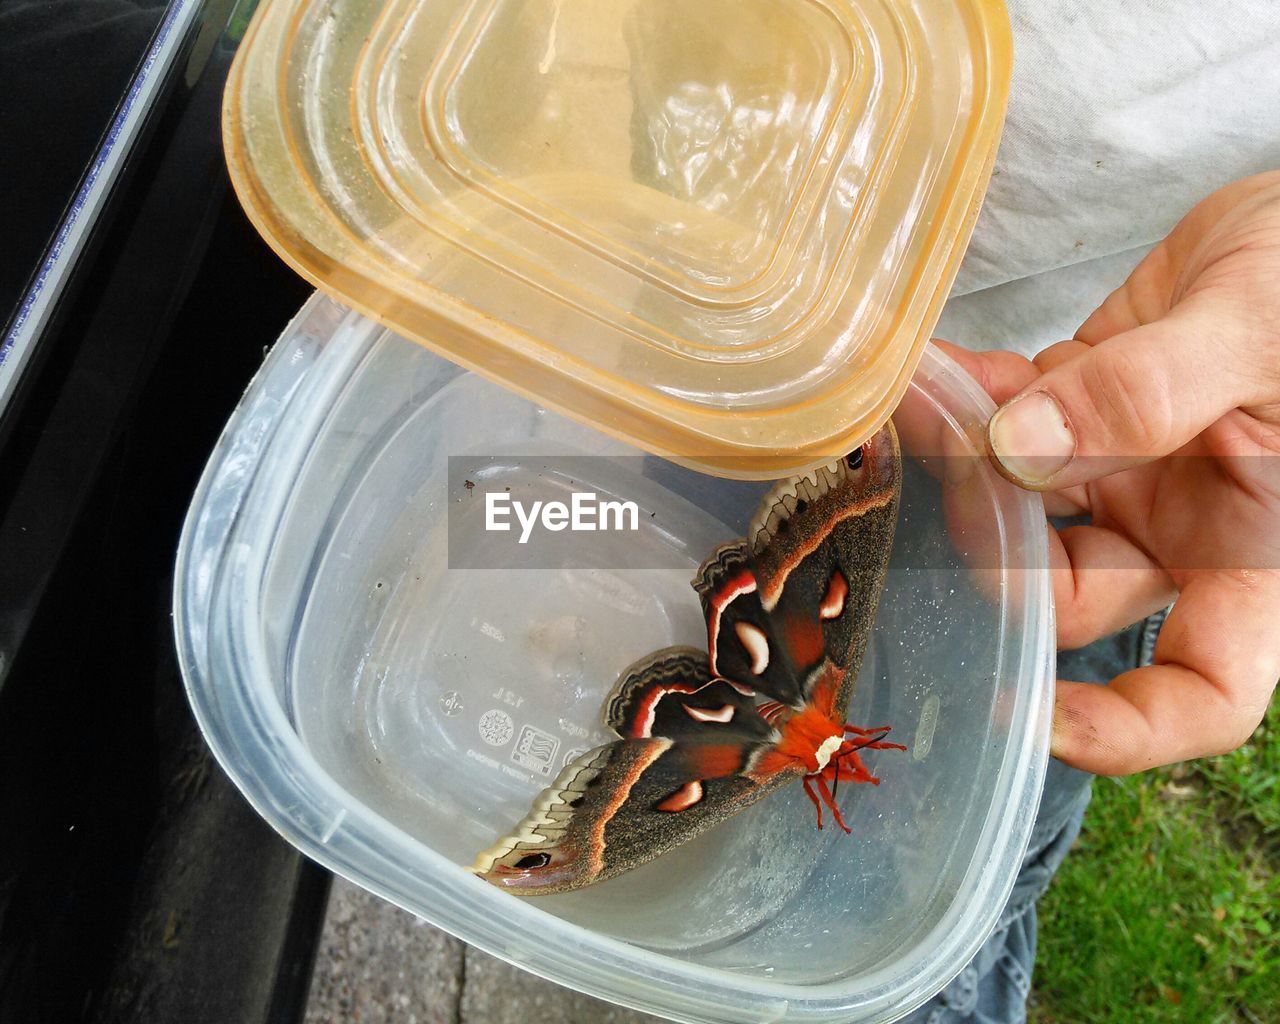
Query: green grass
[
  {"x": 1168, "y": 910},
  {"x": 1249, "y": 778}
]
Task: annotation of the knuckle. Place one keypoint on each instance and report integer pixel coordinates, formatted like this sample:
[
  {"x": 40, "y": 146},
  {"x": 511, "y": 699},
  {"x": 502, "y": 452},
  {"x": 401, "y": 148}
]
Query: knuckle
[
  {"x": 987, "y": 374},
  {"x": 1247, "y": 582},
  {"x": 1075, "y": 632},
  {"x": 1238, "y": 725},
  {"x": 1248, "y": 719},
  {"x": 1070, "y": 614},
  {"x": 1057, "y": 354},
  {"x": 1126, "y": 403},
  {"x": 996, "y": 369},
  {"x": 1237, "y": 734},
  {"x": 1247, "y": 341}
]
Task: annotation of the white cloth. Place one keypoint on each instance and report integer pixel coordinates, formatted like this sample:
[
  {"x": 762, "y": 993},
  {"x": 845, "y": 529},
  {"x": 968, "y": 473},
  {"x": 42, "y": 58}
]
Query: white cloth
[{"x": 1122, "y": 117}]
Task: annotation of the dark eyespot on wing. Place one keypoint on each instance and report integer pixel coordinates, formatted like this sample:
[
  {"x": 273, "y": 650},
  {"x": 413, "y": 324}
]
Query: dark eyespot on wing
[{"x": 534, "y": 860}]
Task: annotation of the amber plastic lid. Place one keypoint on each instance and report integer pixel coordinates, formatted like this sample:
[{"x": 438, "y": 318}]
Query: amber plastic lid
[{"x": 719, "y": 229}]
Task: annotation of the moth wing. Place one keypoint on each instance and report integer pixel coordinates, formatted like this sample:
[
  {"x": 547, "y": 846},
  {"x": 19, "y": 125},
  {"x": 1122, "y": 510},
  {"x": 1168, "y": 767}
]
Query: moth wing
[
  {"x": 820, "y": 546},
  {"x": 790, "y": 610},
  {"x": 672, "y": 693},
  {"x": 743, "y": 642},
  {"x": 622, "y": 805}
]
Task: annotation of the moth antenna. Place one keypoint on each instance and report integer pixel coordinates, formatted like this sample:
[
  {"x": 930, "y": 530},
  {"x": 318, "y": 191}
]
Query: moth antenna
[{"x": 870, "y": 741}]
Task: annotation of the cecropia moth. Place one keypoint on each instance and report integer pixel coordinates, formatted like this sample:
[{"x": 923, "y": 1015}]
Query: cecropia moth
[{"x": 704, "y": 734}]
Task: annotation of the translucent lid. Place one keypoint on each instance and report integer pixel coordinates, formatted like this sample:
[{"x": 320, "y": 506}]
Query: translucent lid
[{"x": 720, "y": 230}]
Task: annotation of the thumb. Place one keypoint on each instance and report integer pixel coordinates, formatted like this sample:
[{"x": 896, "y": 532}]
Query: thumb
[{"x": 1135, "y": 397}]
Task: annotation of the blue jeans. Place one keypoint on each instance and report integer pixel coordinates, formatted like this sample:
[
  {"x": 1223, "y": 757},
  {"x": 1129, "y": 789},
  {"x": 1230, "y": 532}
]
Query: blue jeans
[{"x": 993, "y": 987}]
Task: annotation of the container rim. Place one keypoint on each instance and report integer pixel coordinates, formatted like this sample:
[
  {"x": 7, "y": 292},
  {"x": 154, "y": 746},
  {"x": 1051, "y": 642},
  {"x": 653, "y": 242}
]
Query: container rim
[{"x": 221, "y": 650}]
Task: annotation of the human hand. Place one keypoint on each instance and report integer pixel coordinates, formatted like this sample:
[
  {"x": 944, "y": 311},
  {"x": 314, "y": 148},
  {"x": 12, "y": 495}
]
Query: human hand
[{"x": 1161, "y": 421}]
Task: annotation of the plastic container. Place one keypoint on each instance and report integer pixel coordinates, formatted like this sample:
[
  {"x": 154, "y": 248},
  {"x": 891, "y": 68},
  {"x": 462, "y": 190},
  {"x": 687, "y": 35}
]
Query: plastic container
[
  {"x": 710, "y": 229},
  {"x": 347, "y": 678}
]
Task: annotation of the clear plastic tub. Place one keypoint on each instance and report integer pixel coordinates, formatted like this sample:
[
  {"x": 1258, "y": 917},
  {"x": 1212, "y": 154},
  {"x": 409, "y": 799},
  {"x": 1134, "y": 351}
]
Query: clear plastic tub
[
  {"x": 712, "y": 229},
  {"x": 344, "y": 675}
]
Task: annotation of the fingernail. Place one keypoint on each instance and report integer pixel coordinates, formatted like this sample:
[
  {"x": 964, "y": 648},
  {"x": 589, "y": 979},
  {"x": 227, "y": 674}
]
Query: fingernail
[
  {"x": 1032, "y": 438},
  {"x": 958, "y": 456},
  {"x": 1057, "y": 738}
]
